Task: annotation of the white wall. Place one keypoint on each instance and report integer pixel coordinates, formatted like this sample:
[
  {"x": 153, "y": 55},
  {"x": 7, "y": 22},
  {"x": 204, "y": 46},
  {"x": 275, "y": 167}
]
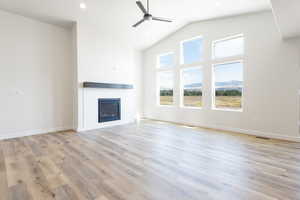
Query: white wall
[
  {"x": 35, "y": 77},
  {"x": 105, "y": 57},
  {"x": 271, "y": 78}
]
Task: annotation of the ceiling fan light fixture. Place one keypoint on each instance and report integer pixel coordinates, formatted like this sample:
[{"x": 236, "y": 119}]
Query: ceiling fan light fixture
[{"x": 147, "y": 16}]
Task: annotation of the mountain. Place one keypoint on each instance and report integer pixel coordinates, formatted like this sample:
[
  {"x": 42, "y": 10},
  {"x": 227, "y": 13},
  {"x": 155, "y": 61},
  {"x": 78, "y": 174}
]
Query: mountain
[
  {"x": 234, "y": 84},
  {"x": 230, "y": 83},
  {"x": 193, "y": 86}
]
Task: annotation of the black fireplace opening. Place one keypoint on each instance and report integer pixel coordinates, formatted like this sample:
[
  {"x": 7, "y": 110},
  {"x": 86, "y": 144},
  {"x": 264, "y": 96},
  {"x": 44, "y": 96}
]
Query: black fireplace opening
[{"x": 109, "y": 110}]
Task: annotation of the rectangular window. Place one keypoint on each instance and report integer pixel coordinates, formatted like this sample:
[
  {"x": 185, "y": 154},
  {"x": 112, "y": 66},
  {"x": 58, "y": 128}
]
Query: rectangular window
[
  {"x": 229, "y": 47},
  {"x": 192, "y": 51},
  {"x": 192, "y": 79},
  {"x": 166, "y": 85},
  {"x": 166, "y": 61},
  {"x": 228, "y": 85}
]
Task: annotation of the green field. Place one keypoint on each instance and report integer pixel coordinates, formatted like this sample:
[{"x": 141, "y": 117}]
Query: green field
[{"x": 231, "y": 102}]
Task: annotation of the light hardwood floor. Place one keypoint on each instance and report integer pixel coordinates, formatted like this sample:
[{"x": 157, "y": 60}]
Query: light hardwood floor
[{"x": 149, "y": 161}]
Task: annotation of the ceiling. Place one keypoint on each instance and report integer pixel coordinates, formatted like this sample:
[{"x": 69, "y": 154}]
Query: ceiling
[
  {"x": 120, "y": 15},
  {"x": 288, "y": 17}
]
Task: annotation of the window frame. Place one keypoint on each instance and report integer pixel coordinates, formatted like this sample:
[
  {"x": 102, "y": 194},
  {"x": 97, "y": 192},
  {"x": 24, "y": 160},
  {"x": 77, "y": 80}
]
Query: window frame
[
  {"x": 181, "y": 104},
  {"x": 165, "y": 54},
  {"x": 181, "y": 51},
  {"x": 213, "y": 89},
  {"x": 158, "y": 87},
  {"x": 166, "y": 69},
  {"x": 178, "y": 67},
  {"x": 213, "y": 57}
]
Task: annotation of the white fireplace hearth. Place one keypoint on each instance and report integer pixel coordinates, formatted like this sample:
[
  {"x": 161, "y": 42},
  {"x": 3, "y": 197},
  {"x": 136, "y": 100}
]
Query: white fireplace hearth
[{"x": 90, "y": 100}]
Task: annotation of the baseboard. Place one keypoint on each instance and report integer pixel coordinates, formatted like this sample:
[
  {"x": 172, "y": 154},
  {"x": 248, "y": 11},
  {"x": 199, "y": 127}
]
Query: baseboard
[
  {"x": 18, "y": 134},
  {"x": 221, "y": 128},
  {"x": 241, "y": 131},
  {"x": 259, "y": 133}
]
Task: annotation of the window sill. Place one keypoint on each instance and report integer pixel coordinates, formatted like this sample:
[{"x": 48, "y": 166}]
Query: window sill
[
  {"x": 166, "y": 106},
  {"x": 228, "y": 109},
  {"x": 230, "y": 58},
  {"x": 191, "y": 108},
  {"x": 165, "y": 69},
  {"x": 194, "y": 64}
]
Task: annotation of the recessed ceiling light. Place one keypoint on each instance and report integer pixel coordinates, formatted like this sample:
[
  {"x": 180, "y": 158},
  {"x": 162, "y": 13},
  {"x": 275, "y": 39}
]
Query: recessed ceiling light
[
  {"x": 218, "y": 3},
  {"x": 82, "y": 5}
]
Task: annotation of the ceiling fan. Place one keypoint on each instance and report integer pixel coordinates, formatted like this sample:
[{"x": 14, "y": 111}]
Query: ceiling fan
[{"x": 147, "y": 15}]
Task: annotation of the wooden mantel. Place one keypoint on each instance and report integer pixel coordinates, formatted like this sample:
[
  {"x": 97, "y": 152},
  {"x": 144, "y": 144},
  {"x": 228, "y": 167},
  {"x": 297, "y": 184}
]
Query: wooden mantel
[{"x": 106, "y": 85}]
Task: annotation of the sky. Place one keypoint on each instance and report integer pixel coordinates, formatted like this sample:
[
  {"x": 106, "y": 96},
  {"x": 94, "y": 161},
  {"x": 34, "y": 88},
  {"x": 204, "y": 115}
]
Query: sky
[
  {"x": 223, "y": 73},
  {"x": 167, "y": 61},
  {"x": 166, "y": 80},
  {"x": 229, "y": 72},
  {"x": 229, "y": 48},
  {"x": 192, "y": 75},
  {"x": 193, "y": 52}
]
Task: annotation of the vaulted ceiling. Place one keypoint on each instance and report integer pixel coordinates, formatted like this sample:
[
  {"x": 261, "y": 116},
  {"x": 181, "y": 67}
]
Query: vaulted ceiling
[
  {"x": 288, "y": 17},
  {"x": 120, "y": 15}
]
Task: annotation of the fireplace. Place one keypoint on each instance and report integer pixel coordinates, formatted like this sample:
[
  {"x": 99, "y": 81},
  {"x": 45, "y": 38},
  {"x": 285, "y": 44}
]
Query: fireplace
[{"x": 109, "y": 110}]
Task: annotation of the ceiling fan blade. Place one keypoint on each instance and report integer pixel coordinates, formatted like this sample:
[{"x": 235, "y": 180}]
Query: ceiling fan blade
[
  {"x": 140, "y": 5},
  {"x": 138, "y": 23},
  {"x": 161, "y": 19}
]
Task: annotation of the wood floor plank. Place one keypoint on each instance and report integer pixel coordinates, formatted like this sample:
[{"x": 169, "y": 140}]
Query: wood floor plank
[
  {"x": 19, "y": 192},
  {"x": 4, "y": 191},
  {"x": 65, "y": 193},
  {"x": 8, "y": 148},
  {"x": 149, "y": 161}
]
